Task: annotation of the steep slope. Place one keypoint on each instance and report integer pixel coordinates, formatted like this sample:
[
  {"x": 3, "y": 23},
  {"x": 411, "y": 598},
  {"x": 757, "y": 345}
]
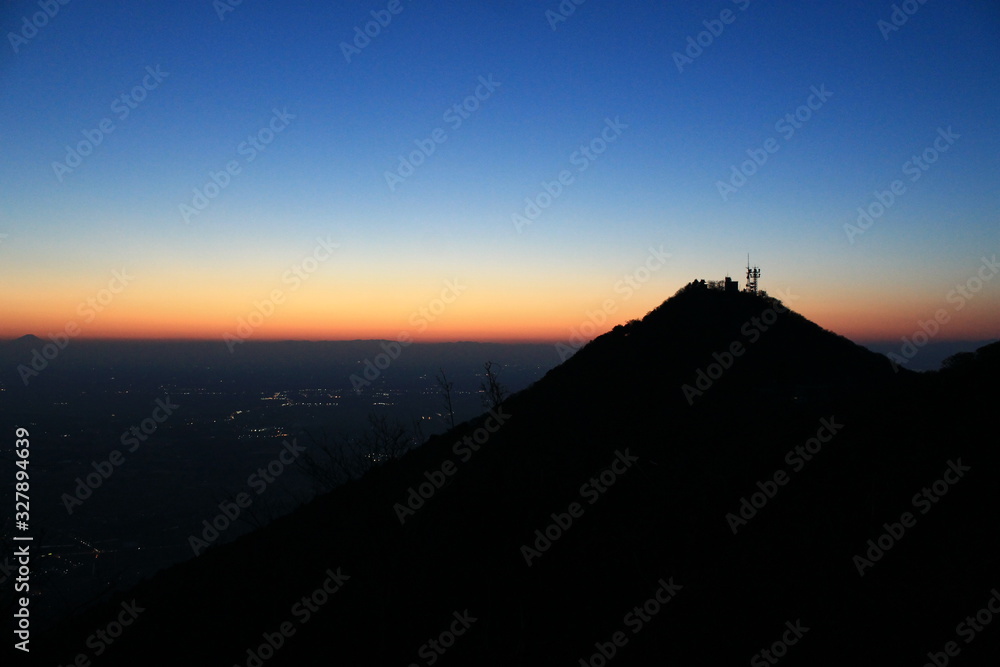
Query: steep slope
[{"x": 638, "y": 485}]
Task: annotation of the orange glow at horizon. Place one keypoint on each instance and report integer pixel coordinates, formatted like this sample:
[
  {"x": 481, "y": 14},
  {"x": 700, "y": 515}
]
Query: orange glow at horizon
[
  {"x": 889, "y": 317},
  {"x": 486, "y": 315}
]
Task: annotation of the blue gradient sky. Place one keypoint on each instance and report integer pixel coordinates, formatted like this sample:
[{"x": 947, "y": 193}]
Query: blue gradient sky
[{"x": 323, "y": 175}]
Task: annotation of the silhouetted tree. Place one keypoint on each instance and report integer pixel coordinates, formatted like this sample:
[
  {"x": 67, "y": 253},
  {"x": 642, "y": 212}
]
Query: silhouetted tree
[
  {"x": 693, "y": 286},
  {"x": 326, "y": 462},
  {"x": 446, "y": 387},
  {"x": 384, "y": 440},
  {"x": 493, "y": 392},
  {"x": 331, "y": 461},
  {"x": 418, "y": 437}
]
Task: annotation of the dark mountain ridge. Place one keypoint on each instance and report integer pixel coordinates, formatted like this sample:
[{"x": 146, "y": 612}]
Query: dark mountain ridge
[{"x": 638, "y": 484}]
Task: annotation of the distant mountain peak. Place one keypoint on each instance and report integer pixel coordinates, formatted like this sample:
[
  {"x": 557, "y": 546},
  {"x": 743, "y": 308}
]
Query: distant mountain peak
[{"x": 726, "y": 344}]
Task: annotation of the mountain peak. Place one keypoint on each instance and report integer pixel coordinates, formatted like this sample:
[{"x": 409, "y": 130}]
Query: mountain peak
[{"x": 746, "y": 341}]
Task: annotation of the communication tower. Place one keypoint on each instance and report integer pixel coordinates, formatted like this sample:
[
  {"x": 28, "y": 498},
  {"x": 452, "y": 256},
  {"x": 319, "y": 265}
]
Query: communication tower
[{"x": 753, "y": 274}]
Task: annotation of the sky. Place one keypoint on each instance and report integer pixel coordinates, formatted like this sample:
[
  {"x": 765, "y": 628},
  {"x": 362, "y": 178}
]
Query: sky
[{"x": 487, "y": 170}]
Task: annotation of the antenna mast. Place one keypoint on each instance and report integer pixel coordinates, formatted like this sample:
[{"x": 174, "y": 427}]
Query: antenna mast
[{"x": 753, "y": 274}]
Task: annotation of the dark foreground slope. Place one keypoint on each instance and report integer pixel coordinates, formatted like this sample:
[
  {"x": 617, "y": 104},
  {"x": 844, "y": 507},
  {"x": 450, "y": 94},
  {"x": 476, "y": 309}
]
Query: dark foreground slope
[{"x": 657, "y": 526}]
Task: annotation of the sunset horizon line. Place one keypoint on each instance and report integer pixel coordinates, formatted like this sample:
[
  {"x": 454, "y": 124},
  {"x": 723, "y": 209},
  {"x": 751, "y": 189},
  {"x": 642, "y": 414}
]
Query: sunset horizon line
[{"x": 435, "y": 341}]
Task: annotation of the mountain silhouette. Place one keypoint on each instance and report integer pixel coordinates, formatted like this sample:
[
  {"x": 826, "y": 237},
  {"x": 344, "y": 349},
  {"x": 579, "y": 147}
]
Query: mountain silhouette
[
  {"x": 692, "y": 488},
  {"x": 26, "y": 342}
]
